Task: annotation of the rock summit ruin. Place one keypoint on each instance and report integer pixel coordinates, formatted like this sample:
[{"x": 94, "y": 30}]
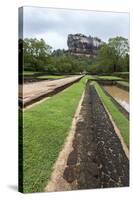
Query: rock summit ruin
[{"x": 79, "y": 44}]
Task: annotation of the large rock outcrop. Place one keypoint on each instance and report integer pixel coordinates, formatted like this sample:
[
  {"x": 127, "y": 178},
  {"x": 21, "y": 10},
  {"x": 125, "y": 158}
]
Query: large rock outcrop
[{"x": 80, "y": 44}]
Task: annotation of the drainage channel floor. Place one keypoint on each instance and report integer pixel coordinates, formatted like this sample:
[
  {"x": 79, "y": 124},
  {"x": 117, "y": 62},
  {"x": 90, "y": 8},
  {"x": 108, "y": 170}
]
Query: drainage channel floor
[{"x": 98, "y": 159}]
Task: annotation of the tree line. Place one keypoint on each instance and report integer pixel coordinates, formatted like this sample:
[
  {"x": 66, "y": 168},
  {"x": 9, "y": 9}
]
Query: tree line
[{"x": 38, "y": 56}]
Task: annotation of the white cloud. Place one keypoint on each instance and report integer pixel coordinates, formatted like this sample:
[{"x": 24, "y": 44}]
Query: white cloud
[
  {"x": 54, "y": 39},
  {"x": 55, "y": 24}
]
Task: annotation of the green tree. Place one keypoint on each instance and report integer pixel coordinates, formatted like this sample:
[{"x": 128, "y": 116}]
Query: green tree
[
  {"x": 36, "y": 53},
  {"x": 120, "y": 48},
  {"x": 113, "y": 54}
]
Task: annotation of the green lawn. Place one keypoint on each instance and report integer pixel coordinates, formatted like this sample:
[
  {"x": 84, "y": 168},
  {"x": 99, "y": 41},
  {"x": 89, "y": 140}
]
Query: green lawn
[
  {"x": 46, "y": 126},
  {"x": 109, "y": 78},
  {"x": 124, "y": 75},
  {"x": 124, "y": 83},
  {"x": 29, "y": 73},
  {"x": 119, "y": 73},
  {"x": 91, "y": 77},
  {"x": 120, "y": 120},
  {"x": 51, "y": 77}
]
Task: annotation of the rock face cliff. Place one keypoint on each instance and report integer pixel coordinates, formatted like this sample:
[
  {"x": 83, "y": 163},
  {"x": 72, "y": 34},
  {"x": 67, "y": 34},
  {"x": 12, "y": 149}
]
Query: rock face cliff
[{"x": 80, "y": 44}]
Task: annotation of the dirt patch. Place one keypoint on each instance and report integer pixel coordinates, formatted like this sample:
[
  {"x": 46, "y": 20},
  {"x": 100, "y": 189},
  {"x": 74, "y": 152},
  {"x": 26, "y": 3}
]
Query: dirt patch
[{"x": 83, "y": 164}]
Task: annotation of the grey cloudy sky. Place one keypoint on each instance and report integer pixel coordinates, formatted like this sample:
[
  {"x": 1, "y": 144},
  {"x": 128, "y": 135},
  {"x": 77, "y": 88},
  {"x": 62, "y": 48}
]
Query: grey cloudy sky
[{"x": 54, "y": 25}]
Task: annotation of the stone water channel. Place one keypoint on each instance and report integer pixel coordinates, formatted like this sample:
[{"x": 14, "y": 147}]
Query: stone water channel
[
  {"x": 120, "y": 95},
  {"x": 97, "y": 159}
]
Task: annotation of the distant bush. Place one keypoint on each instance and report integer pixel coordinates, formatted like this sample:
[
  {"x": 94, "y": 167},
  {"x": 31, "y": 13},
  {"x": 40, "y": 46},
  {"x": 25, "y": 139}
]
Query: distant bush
[{"x": 38, "y": 56}]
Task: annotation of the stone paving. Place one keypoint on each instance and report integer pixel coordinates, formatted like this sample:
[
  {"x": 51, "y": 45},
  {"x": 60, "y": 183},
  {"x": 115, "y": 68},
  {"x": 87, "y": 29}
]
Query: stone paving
[{"x": 31, "y": 91}]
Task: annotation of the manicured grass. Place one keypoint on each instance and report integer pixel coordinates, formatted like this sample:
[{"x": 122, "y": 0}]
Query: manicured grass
[
  {"x": 51, "y": 77},
  {"x": 120, "y": 120},
  {"x": 91, "y": 77},
  {"x": 46, "y": 126},
  {"x": 124, "y": 75},
  {"x": 123, "y": 83},
  {"x": 96, "y": 77},
  {"x": 109, "y": 78},
  {"x": 29, "y": 73},
  {"x": 119, "y": 73}
]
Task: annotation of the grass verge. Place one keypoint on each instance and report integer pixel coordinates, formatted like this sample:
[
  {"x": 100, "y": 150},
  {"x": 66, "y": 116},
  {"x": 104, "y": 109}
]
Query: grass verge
[
  {"x": 109, "y": 78},
  {"x": 29, "y": 73},
  {"x": 120, "y": 120},
  {"x": 121, "y": 73},
  {"x": 124, "y": 83},
  {"x": 91, "y": 77},
  {"x": 50, "y": 77},
  {"x": 46, "y": 126}
]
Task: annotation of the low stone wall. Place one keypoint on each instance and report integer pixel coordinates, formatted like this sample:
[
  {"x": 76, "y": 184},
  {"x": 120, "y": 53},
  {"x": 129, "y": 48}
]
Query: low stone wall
[
  {"x": 111, "y": 82},
  {"x": 124, "y": 87},
  {"x": 106, "y": 82},
  {"x": 120, "y": 108}
]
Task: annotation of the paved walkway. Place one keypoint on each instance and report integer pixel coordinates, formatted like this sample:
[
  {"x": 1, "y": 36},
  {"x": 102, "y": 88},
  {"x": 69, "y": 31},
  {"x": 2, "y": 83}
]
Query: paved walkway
[{"x": 33, "y": 90}]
